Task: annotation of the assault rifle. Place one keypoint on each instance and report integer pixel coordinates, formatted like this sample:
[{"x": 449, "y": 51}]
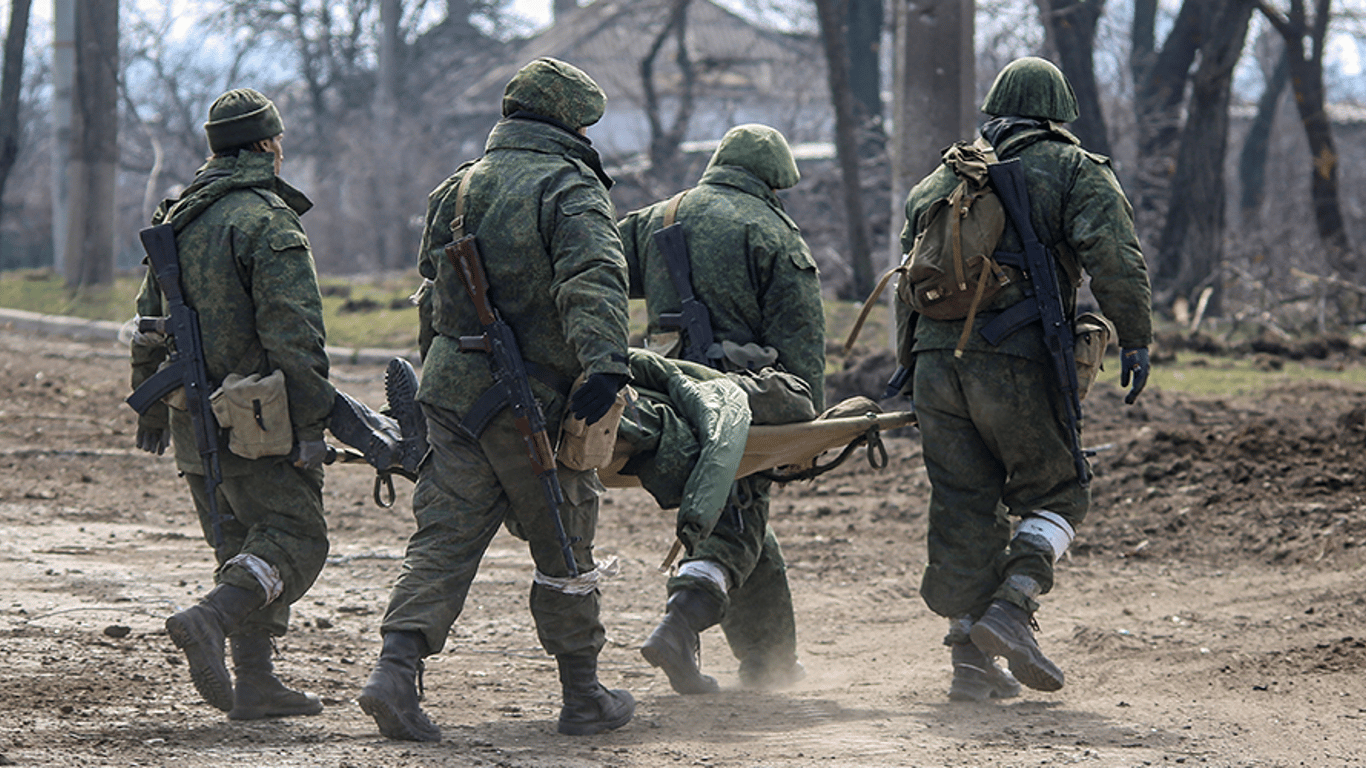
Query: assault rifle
[
  {"x": 692, "y": 316},
  {"x": 186, "y": 368},
  {"x": 509, "y": 373},
  {"x": 1009, "y": 180}
]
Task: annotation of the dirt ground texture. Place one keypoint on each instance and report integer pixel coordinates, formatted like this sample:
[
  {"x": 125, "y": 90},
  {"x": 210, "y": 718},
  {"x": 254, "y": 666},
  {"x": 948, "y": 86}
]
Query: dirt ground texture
[{"x": 1212, "y": 611}]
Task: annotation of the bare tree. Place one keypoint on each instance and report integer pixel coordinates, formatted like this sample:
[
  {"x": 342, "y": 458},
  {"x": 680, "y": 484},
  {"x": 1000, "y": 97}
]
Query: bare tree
[
  {"x": 1252, "y": 158},
  {"x": 1305, "y": 35},
  {"x": 831, "y": 14},
  {"x": 1071, "y": 30},
  {"x": 665, "y": 140},
  {"x": 94, "y": 154},
  {"x": 10, "y": 84},
  {"x": 1191, "y": 246}
]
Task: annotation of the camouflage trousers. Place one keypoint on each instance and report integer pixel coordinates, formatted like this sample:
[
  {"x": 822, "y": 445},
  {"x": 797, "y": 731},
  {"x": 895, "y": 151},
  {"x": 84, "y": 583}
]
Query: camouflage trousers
[
  {"x": 757, "y": 618},
  {"x": 276, "y": 514},
  {"x": 466, "y": 489},
  {"x": 995, "y": 445}
]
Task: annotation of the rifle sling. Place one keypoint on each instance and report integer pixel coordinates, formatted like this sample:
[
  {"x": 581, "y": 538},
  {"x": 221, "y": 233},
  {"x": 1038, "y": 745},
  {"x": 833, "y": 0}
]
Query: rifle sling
[{"x": 495, "y": 398}]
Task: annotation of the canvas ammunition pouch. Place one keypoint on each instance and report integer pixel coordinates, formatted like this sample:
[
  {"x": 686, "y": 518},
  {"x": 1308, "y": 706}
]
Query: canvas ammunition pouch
[
  {"x": 1093, "y": 332},
  {"x": 586, "y": 446},
  {"x": 255, "y": 411}
]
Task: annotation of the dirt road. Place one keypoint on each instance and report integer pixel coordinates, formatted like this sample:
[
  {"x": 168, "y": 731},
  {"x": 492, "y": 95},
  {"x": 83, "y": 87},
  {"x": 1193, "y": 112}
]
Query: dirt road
[{"x": 1213, "y": 611}]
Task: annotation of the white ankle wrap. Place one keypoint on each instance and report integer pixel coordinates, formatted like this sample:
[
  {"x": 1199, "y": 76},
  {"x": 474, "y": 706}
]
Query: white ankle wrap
[
  {"x": 1051, "y": 527},
  {"x": 709, "y": 570},
  {"x": 267, "y": 575},
  {"x": 583, "y": 584}
]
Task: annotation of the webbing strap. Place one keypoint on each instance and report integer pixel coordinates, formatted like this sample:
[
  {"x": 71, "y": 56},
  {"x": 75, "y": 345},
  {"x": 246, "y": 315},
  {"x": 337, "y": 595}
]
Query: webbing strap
[
  {"x": 671, "y": 209},
  {"x": 458, "y": 223}
]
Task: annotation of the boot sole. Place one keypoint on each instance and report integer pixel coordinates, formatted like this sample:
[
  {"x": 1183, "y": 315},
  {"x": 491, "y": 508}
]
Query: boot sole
[
  {"x": 683, "y": 680},
  {"x": 213, "y": 687},
  {"x": 1027, "y": 664},
  {"x": 390, "y": 722}
]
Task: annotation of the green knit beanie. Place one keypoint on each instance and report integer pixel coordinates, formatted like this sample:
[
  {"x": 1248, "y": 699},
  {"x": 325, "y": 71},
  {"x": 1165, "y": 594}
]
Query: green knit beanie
[
  {"x": 762, "y": 151},
  {"x": 557, "y": 90},
  {"x": 241, "y": 116},
  {"x": 1032, "y": 87}
]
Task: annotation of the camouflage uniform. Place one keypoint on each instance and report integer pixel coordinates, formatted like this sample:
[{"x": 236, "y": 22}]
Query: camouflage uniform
[
  {"x": 996, "y": 443},
  {"x": 538, "y": 203},
  {"x": 247, "y": 270},
  {"x": 755, "y": 274}
]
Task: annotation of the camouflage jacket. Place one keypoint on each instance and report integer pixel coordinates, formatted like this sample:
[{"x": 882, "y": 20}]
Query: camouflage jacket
[
  {"x": 538, "y": 205},
  {"x": 1079, "y": 211},
  {"x": 750, "y": 267},
  {"x": 246, "y": 269}
]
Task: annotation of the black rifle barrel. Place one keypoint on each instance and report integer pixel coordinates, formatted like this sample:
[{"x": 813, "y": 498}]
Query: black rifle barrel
[{"x": 186, "y": 369}]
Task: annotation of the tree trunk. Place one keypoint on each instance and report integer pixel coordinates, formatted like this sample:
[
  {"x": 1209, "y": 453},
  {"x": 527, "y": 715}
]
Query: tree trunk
[
  {"x": 1159, "y": 91},
  {"x": 1191, "y": 246},
  {"x": 863, "y": 36},
  {"x": 63, "y": 90},
  {"x": 665, "y": 142},
  {"x": 1306, "y": 80},
  {"x": 831, "y": 13},
  {"x": 10, "y": 85},
  {"x": 1072, "y": 28},
  {"x": 95, "y": 149},
  {"x": 1252, "y": 159},
  {"x": 386, "y": 220}
]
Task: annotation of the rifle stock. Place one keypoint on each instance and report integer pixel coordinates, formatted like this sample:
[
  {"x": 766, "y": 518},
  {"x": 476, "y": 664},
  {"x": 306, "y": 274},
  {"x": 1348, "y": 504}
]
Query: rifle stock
[
  {"x": 692, "y": 316},
  {"x": 1009, "y": 180},
  {"x": 509, "y": 372},
  {"x": 187, "y": 367}
]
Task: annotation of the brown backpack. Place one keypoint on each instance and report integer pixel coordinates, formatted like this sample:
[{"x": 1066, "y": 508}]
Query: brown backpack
[{"x": 950, "y": 273}]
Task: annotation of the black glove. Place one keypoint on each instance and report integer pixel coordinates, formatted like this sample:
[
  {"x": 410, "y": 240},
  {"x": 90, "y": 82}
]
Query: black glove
[
  {"x": 594, "y": 398},
  {"x": 310, "y": 454},
  {"x": 1133, "y": 362},
  {"x": 153, "y": 440}
]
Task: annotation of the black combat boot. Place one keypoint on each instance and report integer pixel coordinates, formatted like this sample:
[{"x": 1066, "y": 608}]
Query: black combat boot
[
  {"x": 400, "y": 389},
  {"x": 976, "y": 677},
  {"x": 674, "y": 645},
  {"x": 390, "y": 696},
  {"x": 588, "y": 706},
  {"x": 199, "y": 631},
  {"x": 1004, "y": 631},
  {"x": 257, "y": 693}
]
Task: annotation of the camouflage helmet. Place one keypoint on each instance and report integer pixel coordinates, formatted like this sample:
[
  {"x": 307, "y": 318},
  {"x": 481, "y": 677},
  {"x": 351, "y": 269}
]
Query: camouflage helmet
[
  {"x": 761, "y": 150},
  {"x": 557, "y": 90},
  {"x": 1032, "y": 87},
  {"x": 241, "y": 116}
]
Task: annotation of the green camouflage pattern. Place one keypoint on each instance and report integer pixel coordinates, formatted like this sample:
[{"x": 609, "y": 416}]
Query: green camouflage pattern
[
  {"x": 557, "y": 90},
  {"x": 684, "y": 430},
  {"x": 275, "y": 513},
  {"x": 246, "y": 268},
  {"x": 466, "y": 490},
  {"x": 546, "y": 228},
  {"x": 761, "y": 150},
  {"x": 995, "y": 442},
  {"x": 993, "y": 447},
  {"x": 1079, "y": 210},
  {"x": 750, "y": 267},
  {"x": 1032, "y": 87}
]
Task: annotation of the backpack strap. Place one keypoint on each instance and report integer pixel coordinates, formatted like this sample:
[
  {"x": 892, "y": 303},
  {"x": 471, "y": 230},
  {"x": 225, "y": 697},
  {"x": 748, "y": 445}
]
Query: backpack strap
[
  {"x": 461, "y": 191},
  {"x": 671, "y": 209}
]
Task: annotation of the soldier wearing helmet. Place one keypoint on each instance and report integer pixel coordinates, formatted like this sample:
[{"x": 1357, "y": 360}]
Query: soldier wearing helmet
[{"x": 996, "y": 444}]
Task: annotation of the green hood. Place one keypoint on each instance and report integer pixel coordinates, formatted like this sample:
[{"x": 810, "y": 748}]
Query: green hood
[
  {"x": 762, "y": 151},
  {"x": 1032, "y": 87}
]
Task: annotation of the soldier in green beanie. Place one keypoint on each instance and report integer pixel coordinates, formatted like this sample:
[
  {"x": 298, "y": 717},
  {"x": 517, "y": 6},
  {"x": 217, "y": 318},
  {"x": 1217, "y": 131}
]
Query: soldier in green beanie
[
  {"x": 996, "y": 442},
  {"x": 755, "y": 275},
  {"x": 537, "y": 202},
  {"x": 246, "y": 269}
]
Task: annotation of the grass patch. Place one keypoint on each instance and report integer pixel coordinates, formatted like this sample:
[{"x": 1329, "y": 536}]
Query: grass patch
[{"x": 1199, "y": 374}]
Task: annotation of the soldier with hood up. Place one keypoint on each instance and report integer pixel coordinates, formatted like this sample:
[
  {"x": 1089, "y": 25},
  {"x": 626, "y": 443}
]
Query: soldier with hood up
[
  {"x": 537, "y": 202},
  {"x": 992, "y": 421},
  {"x": 757, "y": 279}
]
